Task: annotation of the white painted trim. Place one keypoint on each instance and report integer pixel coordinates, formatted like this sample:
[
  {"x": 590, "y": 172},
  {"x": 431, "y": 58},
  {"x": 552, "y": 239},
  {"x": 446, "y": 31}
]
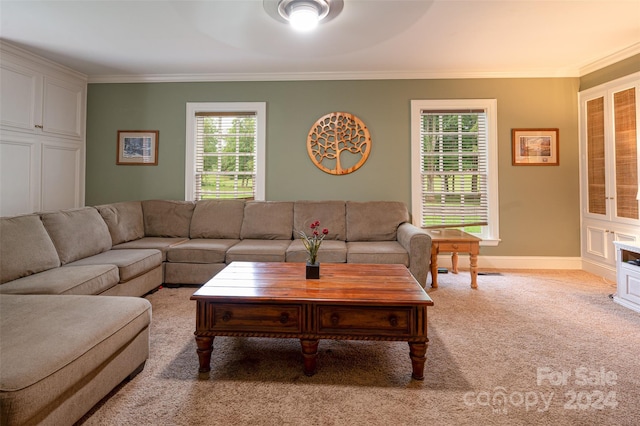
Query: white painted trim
[
  {"x": 31, "y": 58},
  {"x": 626, "y": 304},
  {"x": 380, "y": 75},
  {"x": 491, "y": 107},
  {"x": 621, "y": 55},
  {"x": 606, "y": 271},
  {"x": 261, "y": 134},
  {"x": 369, "y": 75}
]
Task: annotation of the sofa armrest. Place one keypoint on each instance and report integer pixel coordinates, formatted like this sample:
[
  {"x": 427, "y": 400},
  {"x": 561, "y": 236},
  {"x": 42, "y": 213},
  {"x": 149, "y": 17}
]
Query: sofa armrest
[{"x": 418, "y": 244}]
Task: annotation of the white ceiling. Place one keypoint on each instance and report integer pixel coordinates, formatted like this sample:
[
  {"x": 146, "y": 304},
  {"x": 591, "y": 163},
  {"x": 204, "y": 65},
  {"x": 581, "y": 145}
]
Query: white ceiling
[{"x": 238, "y": 40}]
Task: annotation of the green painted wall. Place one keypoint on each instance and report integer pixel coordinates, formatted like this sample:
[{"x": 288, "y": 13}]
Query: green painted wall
[
  {"x": 539, "y": 206},
  {"x": 611, "y": 72}
]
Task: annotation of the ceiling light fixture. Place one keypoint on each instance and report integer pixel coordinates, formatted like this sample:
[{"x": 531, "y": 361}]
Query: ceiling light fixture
[{"x": 304, "y": 15}]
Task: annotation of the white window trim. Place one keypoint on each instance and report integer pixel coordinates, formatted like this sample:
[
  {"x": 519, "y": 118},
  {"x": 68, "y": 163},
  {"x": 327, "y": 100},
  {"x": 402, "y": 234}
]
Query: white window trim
[
  {"x": 490, "y": 235},
  {"x": 260, "y": 108}
]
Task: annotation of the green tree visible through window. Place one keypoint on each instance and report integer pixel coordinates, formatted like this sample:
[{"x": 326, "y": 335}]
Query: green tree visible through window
[
  {"x": 226, "y": 160},
  {"x": 451, "y": 168}
]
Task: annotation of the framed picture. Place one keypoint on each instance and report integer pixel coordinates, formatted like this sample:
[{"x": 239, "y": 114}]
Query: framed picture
[
  {"x": 137, "y": 147},
  {"x": 535, "y": 147}
]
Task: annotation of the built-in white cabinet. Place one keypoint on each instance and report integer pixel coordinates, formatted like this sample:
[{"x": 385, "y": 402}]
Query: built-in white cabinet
[
  {"x": 609, "y": 170},
  {"x": 42, "y": 133}
]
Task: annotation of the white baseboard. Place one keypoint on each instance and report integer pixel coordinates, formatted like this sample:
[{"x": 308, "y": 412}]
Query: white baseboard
[
  {"x": 608, "y": 272},
  {"x": 514, "y": 262}
]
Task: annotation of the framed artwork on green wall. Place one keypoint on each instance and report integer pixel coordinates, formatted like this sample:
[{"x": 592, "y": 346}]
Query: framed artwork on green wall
[
  {"x": 137, "y": 147},
  {"x": 535, "y": 147}
]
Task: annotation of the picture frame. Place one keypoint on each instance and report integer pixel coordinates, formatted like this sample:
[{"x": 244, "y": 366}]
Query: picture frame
[
  {"x": 535, "y": 147},
  {"x": 137, "y": 147}
]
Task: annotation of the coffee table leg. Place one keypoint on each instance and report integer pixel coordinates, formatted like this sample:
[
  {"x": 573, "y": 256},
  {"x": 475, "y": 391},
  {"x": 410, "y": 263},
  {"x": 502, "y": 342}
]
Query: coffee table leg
[
  {"x": 417, "y": 352},
  {"x": 205, "y": 347},
  {"x": 309, "y": 353}
]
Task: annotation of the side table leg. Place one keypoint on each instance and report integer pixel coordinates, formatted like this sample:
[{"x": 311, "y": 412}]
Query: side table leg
[
  {"x": 309, "y": 353},
  {"x": 434, "y": 266},
  {"x": 473, "y": 263},
  {"x": 454, "y": 262},
  {"x": 417, "y": 352},
  {"x": 205, "y": 347}
]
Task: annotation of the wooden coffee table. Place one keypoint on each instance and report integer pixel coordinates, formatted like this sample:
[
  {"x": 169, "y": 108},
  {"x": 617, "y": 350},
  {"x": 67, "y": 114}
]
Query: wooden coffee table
[{"x": 349, "y": 301}]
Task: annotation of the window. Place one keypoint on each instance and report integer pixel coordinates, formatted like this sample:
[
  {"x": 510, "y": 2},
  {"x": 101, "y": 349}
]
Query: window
[
  {"x": 454, "y": 166},
  {"x": 225, "y": 151}
]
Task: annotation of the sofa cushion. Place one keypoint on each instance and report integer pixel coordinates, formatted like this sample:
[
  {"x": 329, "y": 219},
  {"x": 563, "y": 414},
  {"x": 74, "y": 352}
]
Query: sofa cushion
[
  {"x": 201, "y": 250},
  {"x": 331, "y": 215},
  {"x": 375, "y": 220},
  {"x": 258, "y": 251},
  {"x": 90, "y": 279},
  {"x": 217, "y": 219},
  {"x": 377, "y": 252},
  {"x": 71, "y": 339},
  {"x": 330, "y": 251},
  {"x": 124, "y": 220},
  {"x": 167, "y": 218},
  {"x": 25, "y": 248},
  {"x": 267, "y": 220},
  {"x": 159, "y": 243},
  {"x": 77, "y": 233},
  {"x": 130, "y": 263}
]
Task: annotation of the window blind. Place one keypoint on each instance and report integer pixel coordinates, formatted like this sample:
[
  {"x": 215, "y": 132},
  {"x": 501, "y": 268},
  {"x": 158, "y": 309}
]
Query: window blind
[
  {"x": 454, "y": 163},
  {"x": 225, "y": 155}
]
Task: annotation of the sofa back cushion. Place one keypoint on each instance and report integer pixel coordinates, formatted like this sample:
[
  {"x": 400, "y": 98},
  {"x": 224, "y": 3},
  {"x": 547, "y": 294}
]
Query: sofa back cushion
[
  {"x": 217, "y": 219},
  {"x": 167, "y": 218},
  {"x": 331, "y": 215},
  {"x": 267, "y": 220},
  {"x": 77, "y": 233},
  {"x": 25, "y": 248},
  {"x": 375, "y": 220},
  {"x": 124, "y": 220}
]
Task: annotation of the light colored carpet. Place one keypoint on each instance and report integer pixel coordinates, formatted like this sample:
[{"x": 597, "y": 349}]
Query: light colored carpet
[{"x": 497, "y": 356}]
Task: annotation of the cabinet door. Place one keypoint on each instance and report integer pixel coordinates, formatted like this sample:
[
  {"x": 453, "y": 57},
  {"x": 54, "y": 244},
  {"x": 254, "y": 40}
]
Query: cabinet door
[
  {"x": 19, "y": 175},
  {"x": 596, "y": 174},
  {"x": 624, "y": 188},
  {"x": 21, "y": 97},
  {"x": 61, "y": 176},
  {"x": 62, "y": 108},
  {"x": 610, "y": 157}
]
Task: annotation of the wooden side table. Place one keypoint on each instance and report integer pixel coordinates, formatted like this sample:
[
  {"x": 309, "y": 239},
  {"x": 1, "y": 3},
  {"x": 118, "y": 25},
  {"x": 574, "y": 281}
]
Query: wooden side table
[{"x": 453, "y": 241}]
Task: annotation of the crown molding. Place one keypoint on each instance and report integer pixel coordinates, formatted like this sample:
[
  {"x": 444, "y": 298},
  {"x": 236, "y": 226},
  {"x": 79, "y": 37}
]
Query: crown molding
[
  {"x": 20, "y": 53},
  {"x": 368, "y": 75},
  {"x": 618, "y": 56},
  {"x": 383, "y": 75}
]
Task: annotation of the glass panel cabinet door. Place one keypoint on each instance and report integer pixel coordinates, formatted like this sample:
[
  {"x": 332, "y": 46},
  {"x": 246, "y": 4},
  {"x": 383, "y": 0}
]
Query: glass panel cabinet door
[
  {"x": 596, "y": 173},
  {"x": 626, "y": 154}
]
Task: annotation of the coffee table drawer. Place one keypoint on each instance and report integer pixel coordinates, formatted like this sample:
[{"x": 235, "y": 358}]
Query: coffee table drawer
[
  {"x": 395, "y": 321},
  {"x": 256, "y": 317}
]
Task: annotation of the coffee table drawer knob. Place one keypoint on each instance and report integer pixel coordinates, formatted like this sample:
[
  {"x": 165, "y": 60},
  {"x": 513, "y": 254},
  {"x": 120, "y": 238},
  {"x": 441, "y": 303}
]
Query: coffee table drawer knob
[
  {"x": 393, "y": 320},
  {"x": 226, "y": 317},
  {"x": 334, "y": 319},
  {"x": 284, "y": 318}
]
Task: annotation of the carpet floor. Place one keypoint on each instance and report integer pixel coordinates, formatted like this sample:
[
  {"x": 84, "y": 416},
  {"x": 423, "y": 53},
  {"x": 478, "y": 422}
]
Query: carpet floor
[{"x": 525, "y": 348}]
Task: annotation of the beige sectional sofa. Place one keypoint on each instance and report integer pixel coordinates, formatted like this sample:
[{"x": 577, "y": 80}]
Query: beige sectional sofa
[
  {"x": 197, "y": 240},
  {"x": 53, "y": 264}
]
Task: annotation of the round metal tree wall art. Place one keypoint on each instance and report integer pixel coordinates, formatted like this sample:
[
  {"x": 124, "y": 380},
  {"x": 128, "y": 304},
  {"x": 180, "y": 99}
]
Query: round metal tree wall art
[{"x": 339, "y": 143}]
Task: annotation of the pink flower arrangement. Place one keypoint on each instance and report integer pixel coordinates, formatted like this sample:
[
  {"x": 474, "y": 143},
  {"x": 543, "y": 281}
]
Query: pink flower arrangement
[{"x": 312, "y": 243}]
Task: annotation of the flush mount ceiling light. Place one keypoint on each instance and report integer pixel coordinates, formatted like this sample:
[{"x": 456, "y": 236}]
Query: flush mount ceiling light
[{"x": 303, "y": 15}]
